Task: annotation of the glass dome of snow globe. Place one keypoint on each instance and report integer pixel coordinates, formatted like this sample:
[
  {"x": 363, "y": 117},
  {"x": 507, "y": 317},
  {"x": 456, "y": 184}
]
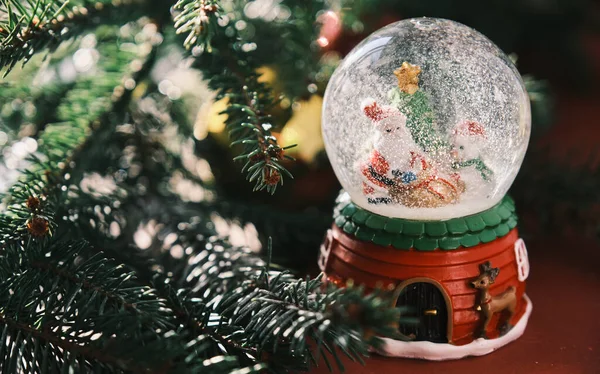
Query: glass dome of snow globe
[{"x": 426, "y": 119}]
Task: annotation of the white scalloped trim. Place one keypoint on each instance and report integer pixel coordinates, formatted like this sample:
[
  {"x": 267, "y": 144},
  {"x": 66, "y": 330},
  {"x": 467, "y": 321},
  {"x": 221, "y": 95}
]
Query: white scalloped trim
[{"x": 444, "y": 351}]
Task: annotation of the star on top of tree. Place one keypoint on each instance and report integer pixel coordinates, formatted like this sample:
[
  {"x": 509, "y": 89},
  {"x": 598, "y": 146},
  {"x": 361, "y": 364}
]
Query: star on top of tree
[{"x": 408, "y": 77}]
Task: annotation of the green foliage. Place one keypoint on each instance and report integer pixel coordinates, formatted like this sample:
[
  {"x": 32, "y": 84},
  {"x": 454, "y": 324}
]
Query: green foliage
[
  {"x": 276, "y": 314},
  {"x": 63, "y": 301},
  {"x": 82, "y": 311},
  {"x": 282, "y": 313},
  {"x": 32, "y": 26},
  {"x": 198, "y": 18},
  {"x": 90, "y": 98},
  {"x": 228, "y": 62}
]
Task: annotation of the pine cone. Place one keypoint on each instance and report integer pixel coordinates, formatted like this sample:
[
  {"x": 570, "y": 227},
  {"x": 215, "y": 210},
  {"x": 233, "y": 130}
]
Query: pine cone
[{"x": 38, "y": 226}]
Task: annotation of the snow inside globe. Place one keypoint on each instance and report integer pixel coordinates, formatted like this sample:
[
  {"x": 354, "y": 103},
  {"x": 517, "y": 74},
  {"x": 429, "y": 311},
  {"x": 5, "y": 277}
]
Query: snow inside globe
[{"x": 426, "y": 119}]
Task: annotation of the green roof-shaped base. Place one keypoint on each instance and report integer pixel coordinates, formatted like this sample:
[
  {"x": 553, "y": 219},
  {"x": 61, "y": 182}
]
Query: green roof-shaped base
[{"x": 401, "y": 233}]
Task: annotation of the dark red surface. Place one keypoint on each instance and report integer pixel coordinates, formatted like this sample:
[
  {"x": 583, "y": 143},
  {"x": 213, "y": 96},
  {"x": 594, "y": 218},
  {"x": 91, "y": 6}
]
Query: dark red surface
[{"x": 563, "y": 335}]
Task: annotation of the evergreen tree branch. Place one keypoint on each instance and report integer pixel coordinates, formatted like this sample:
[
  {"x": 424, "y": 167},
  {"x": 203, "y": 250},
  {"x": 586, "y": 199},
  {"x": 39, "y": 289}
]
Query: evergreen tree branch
[
  {"x": 197, "y": 18},
  {"x": 226, "y": 61},
  {"x": 88, "y": 104},
  {"x": 190, "y": 312},
  {"x": 282, "y": 314},
  {"x": 48, "y": 342},
  {"x": 57, "y": 298},
  {"x": 30, "y": 27},
  {"x": 94, "y": 312},
  {"x": 203, "y": 287},
  {"x": 276, "y": 313}
]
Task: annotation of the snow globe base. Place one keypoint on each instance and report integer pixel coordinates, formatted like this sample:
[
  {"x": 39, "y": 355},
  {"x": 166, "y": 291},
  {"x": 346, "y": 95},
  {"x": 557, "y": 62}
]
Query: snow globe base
[{"x": 462, "y": 278}]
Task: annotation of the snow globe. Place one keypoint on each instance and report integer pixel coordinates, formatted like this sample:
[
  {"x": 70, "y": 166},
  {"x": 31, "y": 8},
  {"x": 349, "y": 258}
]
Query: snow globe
[{"x": 426, "y": 123}]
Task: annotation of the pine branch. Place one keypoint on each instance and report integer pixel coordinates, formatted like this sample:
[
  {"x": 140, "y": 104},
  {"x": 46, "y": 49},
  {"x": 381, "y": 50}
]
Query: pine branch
[
  {"x": 203, "y": 287},
  {"x": 88, "y": 104},
  {"x": 121, "y": 206},
  {"x": 198, "y": 18},
  {"x": 58, "y": 292},
  {"x": 228, "y": 64},
  {"x": 30, "y": 27},
  {"x": 27, "y": 338},
  {"x": 276, "y": 313},
  {"x": 86, "y": 312}
]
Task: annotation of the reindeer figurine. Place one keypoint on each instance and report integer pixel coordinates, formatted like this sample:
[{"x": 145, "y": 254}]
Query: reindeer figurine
[{"x": 493, "y": 304}]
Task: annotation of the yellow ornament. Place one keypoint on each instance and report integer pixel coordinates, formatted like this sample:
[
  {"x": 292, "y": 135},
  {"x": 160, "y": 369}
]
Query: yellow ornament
[
  {"x": 267, "y": 75},
  {"x": 304, "y": 129},
  {"x": 209, "y": 120},
  {"x": 408, "y": 77}
]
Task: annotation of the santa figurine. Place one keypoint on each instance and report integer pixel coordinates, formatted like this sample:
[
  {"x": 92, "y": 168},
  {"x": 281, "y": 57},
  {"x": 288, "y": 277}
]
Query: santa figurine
[
  {"x": 468, "y": 139},
  {"x": 396, "y": 159}
]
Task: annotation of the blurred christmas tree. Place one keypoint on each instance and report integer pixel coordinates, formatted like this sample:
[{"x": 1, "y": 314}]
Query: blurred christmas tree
[{"x": 128, "y": 235}]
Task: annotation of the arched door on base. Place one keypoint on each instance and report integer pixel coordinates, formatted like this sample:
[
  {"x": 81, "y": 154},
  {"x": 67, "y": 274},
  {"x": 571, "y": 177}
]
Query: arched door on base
[{"x": 426, "y": 305}]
